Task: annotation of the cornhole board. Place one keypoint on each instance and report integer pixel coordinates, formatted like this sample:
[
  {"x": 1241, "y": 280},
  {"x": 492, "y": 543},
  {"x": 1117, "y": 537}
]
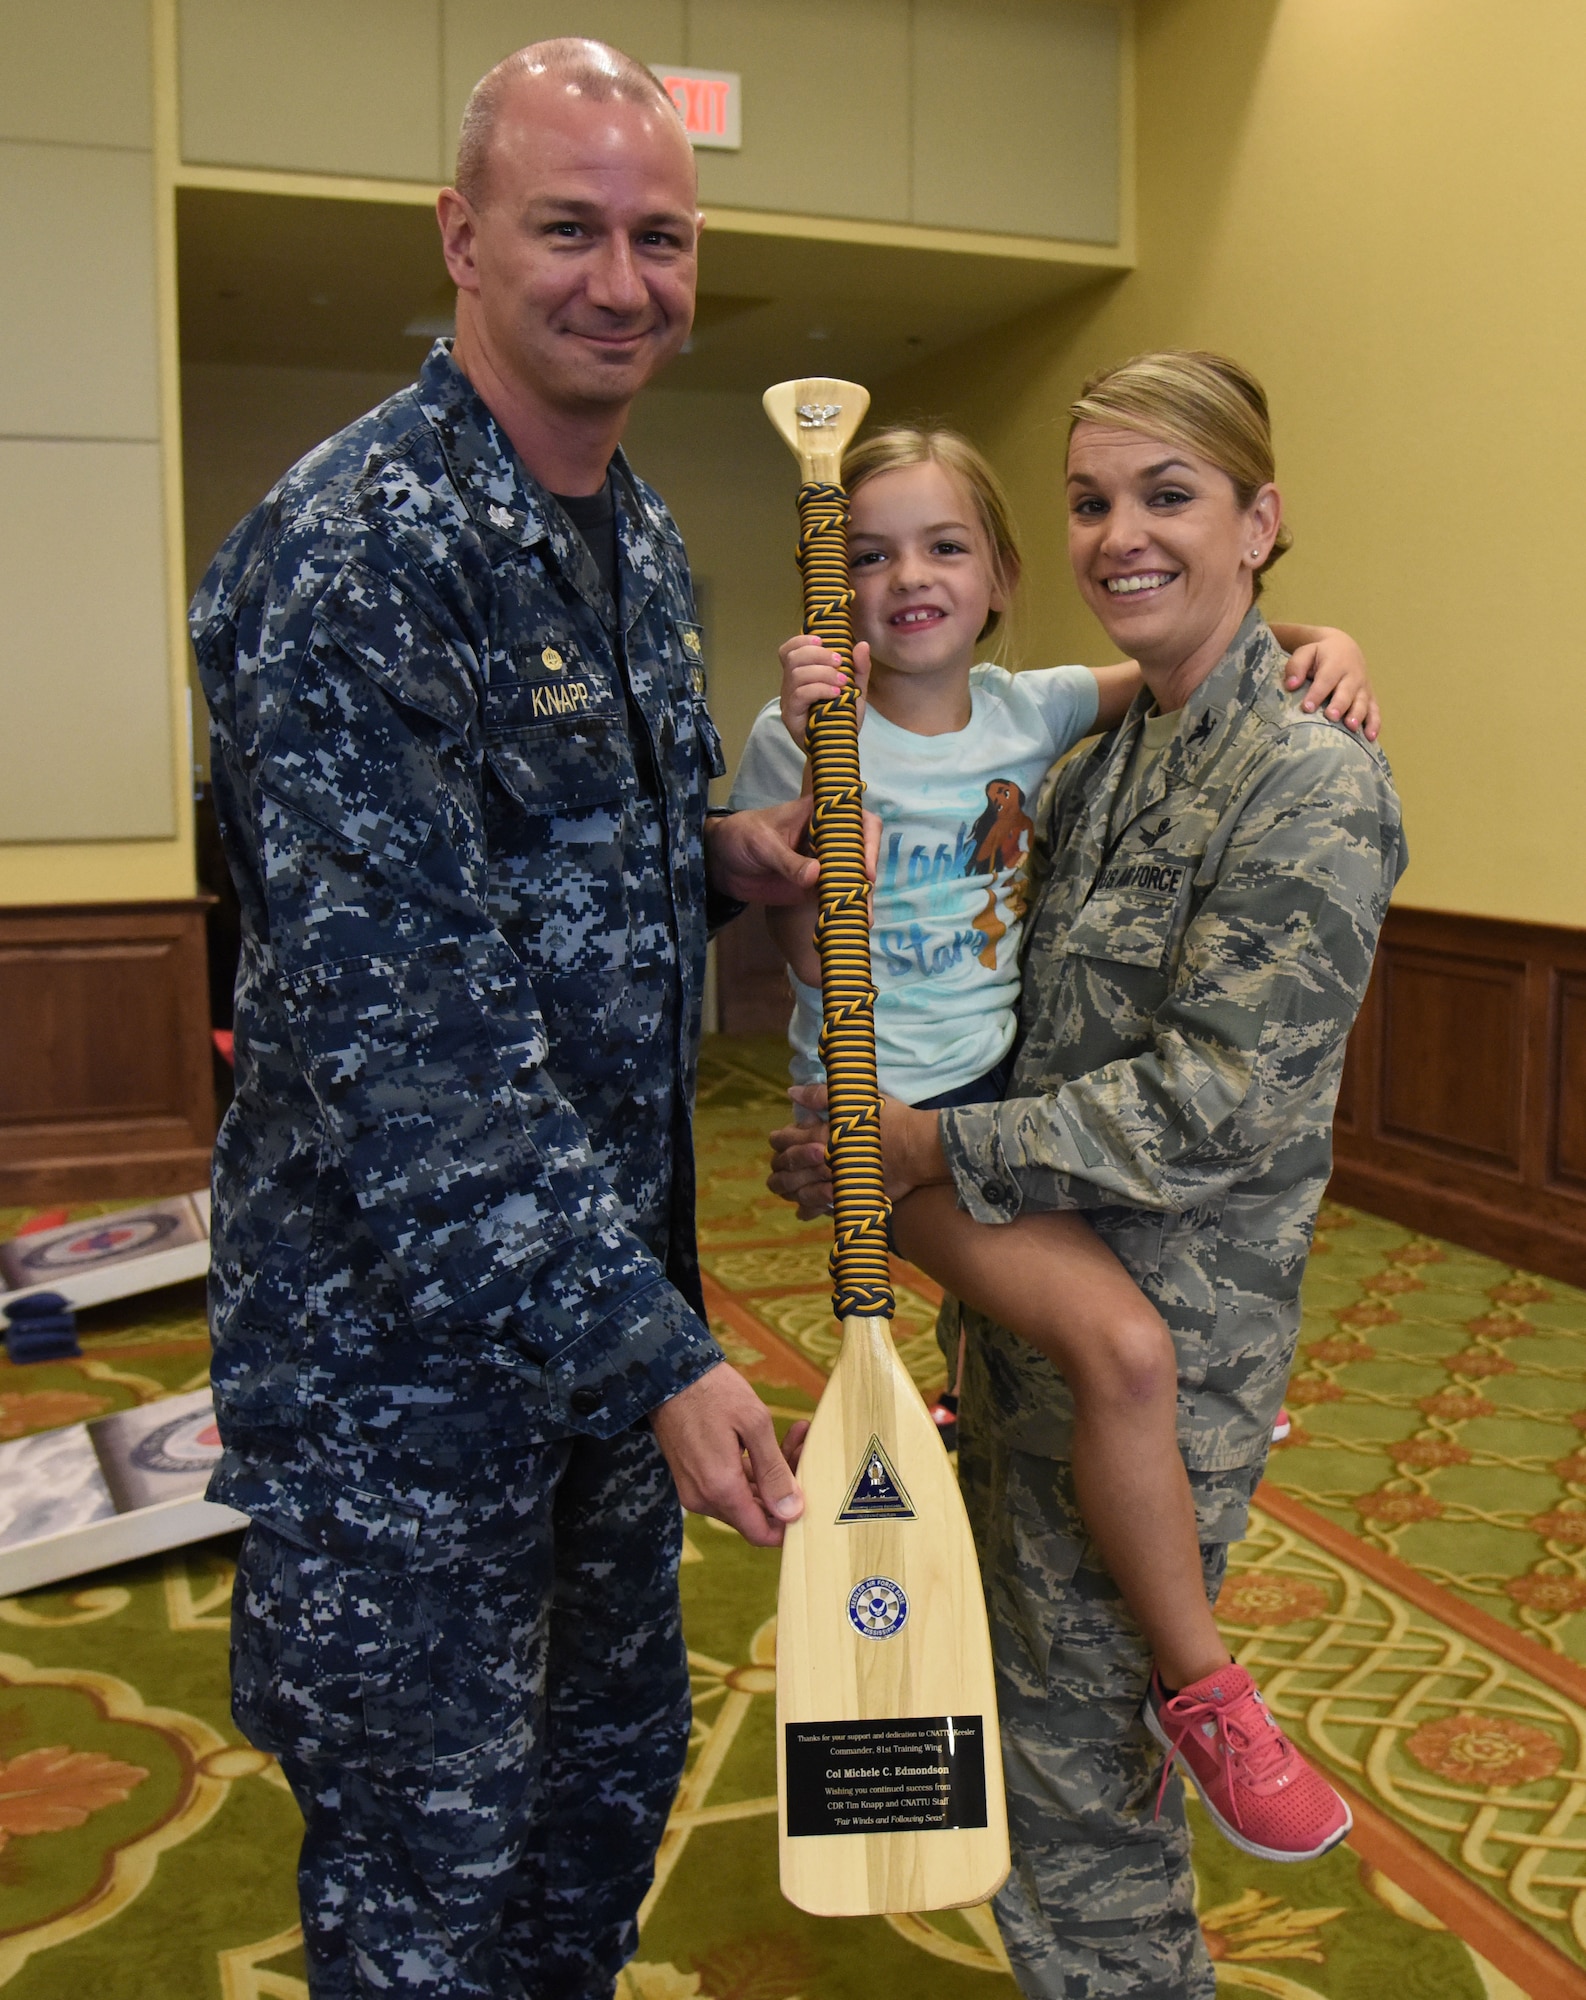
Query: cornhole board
[
  {"x": 126, "y": 1485},
  {"x": 112, "y": 1256}
]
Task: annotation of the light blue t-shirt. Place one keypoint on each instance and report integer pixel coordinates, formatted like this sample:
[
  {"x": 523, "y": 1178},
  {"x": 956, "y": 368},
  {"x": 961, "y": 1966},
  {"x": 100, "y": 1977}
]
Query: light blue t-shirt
[{"x": 952, "y": 882}]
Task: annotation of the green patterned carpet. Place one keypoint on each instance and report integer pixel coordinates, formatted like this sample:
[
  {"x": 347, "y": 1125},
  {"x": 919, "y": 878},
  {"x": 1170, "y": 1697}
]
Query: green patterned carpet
[
  {"x": 1412, "y": 1597},
  {"x": 1440, "y": 1401},
  {"x": 146, "y": 1852}
]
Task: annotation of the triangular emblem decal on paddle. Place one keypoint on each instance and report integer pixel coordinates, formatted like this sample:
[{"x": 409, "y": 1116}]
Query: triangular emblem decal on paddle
[{"x": 876, "y": 1493}]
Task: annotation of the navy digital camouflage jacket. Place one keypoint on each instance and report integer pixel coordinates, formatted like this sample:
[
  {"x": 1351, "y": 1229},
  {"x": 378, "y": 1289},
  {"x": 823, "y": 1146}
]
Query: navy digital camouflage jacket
[{"x": 454, "y": 1195}]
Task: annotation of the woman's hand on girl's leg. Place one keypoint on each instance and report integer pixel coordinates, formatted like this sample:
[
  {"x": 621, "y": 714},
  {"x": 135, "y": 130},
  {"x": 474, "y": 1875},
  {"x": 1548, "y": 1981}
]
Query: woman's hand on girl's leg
[
  {"x": 911, "y": 1148},
  {"x": 1051, "y": 1280}
]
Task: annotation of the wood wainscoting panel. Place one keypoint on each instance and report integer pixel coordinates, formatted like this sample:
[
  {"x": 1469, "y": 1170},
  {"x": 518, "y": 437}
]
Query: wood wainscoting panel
[
  {"x": 106, "y": 1086},
  {"x": 1453, "y": 1045},
  {"x": 1567, "y": 1153},
  {"x": 1463, "y": 1110}
]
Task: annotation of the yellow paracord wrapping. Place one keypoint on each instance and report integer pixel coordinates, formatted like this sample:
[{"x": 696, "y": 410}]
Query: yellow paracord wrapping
[{"x": 861, "y": 1281}]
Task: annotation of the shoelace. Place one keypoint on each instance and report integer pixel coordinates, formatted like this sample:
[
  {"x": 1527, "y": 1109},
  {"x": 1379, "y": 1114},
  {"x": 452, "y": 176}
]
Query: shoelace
[{"x": 1264, "y": 1749}]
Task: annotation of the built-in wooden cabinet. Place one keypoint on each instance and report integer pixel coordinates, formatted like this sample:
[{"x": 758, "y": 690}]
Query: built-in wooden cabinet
[
  {"x": 1001, "y": 116},
  {"x": 1015, "y": 118}
]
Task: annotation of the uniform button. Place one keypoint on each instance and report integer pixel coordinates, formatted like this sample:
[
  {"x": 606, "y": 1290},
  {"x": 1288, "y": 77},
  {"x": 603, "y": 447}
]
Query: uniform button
[
  {"x": 994, "y": 1192},
  {"x": 585, "y": 1402}
]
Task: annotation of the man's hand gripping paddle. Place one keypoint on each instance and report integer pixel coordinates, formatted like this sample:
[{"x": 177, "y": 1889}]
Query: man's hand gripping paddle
[{"x": 889, "y": 1770}]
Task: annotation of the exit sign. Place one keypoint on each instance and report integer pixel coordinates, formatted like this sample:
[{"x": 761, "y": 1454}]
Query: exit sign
[{"x": 710, "y": 103}]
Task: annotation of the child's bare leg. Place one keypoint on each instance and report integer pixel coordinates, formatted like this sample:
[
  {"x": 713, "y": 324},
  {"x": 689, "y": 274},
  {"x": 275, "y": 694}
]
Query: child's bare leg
[{"x": 1049, "y": 1279}]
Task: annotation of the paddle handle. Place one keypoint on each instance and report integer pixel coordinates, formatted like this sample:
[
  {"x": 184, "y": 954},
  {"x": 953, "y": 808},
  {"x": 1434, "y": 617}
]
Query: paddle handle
[{"x": 861, "y": 1279}]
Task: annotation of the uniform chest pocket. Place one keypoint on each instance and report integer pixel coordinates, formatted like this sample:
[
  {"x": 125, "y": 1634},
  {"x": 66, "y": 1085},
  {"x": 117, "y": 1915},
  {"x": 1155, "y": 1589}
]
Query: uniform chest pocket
[
  {"x": 578, "y": 761},
  {"x": 1133, "y": 923}
]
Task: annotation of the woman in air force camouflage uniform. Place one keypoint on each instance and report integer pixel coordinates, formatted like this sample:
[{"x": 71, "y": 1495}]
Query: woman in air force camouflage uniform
[{"x": 1209, "y": 882}]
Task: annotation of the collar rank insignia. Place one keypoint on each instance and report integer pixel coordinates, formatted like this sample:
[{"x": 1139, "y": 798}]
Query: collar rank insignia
[
  {"x": 1150, "y": 836},
  {"x": 876, "y": 1492},
  {"x": 1204, "y": 727}
]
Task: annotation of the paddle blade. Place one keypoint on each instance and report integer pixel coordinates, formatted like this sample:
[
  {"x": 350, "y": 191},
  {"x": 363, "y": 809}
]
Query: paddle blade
[
  {"x": 889, "y": 1770},
  {"x": 817, "y": 417}
]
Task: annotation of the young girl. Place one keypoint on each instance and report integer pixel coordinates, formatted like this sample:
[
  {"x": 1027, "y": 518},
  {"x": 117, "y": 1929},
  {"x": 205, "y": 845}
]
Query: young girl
[{"x": 953, "y": 753}]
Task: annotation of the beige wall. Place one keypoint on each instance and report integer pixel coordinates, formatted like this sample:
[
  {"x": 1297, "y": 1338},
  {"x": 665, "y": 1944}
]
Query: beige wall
[
  {"x": 730, "y": 481},
  {"x": 91, "y": 778},
  {"x": 101, "y": 102},
  {"x": 1376, "y": 202},
  {"x": 1000, "y": 116},
  {"x": 719, "y": 465},
  {"x": 241, "y": 429},
  {"x": 1380, "y": 205}
]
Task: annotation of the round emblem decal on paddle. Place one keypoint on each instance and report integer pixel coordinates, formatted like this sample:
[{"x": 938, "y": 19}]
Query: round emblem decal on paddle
[{"x": 877, "y": 1608}]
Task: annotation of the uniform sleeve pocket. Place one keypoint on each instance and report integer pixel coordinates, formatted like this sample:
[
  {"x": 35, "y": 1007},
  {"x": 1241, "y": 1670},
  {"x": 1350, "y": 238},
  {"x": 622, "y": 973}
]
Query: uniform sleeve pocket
[{"x": 399, "y": 647}]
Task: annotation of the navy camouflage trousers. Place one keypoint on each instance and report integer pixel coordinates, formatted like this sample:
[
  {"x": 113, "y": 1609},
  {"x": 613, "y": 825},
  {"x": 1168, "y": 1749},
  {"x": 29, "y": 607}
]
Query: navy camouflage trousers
[
  {"x": 1100, "y": 1904},
  {"x": 484, "y": 1749}
]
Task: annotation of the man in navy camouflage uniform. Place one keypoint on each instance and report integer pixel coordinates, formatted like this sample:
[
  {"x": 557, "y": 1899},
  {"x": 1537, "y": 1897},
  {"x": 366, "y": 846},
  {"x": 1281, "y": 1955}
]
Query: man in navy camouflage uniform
[{"x": 461, "y": 758}]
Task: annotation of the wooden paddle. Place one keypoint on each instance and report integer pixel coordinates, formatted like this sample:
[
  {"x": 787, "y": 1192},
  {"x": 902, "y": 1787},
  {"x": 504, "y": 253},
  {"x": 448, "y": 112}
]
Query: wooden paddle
[{"x": 889, "y": 1769}]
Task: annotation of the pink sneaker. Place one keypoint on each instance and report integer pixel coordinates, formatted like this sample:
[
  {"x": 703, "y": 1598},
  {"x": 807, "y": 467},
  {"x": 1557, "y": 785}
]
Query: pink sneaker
[{"x": 1262, "y": 1793}]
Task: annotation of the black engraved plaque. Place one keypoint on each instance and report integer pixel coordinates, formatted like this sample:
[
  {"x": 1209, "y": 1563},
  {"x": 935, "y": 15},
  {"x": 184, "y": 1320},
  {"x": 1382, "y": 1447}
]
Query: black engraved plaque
[{"x": 915, "y": 1773}]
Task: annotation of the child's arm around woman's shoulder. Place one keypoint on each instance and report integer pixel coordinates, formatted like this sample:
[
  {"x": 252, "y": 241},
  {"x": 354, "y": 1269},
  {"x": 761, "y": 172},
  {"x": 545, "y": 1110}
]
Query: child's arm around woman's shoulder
[
  {"x": 1336, "y": 669},
  {"x": 1321, "y": 654}
]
